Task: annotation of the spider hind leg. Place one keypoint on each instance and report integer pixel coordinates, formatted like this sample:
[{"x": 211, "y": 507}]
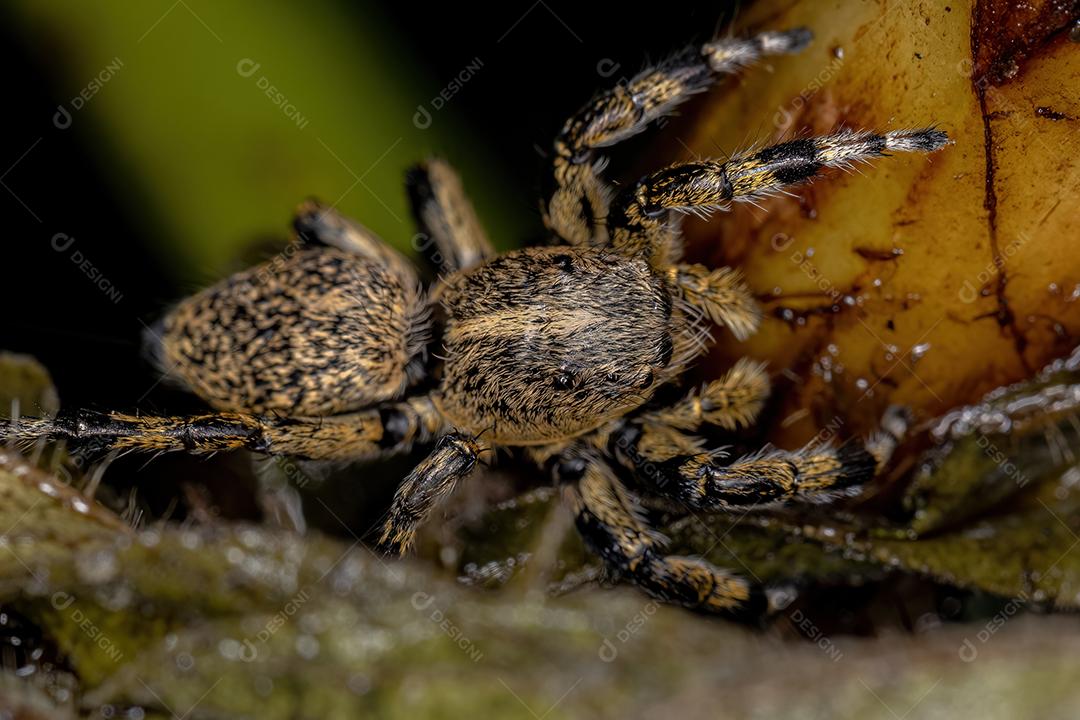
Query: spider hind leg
[{"x": 610, "y": 523}]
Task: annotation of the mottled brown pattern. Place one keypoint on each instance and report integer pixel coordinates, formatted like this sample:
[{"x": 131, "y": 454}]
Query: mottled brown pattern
[
  {"x": 559, "y": 350},
  {"x": 544, "y": 344},
  {"x": 314, "y": 331}
]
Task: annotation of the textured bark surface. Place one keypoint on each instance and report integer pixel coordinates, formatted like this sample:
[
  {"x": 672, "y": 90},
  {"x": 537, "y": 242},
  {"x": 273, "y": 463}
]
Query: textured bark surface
[{"x": 236, "y": 621}]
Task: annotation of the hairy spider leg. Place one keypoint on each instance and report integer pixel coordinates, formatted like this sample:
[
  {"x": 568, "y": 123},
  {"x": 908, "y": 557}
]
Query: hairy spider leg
[{"x": 576, "y": 209}]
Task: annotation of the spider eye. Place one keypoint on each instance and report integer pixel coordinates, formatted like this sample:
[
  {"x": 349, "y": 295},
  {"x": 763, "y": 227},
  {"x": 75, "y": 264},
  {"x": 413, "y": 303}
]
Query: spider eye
[
  {"x": 647, "y": 381},
  {"x": 564, "y": 380},
  {"x": 564, "y": 263},
  {"x": 612, "y": 378}
]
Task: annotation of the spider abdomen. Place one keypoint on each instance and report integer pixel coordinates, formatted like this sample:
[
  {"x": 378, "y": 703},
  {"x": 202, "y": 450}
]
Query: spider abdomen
[
  {"x": 315, "y": 331},
  {"x": 548, "y": 343}
]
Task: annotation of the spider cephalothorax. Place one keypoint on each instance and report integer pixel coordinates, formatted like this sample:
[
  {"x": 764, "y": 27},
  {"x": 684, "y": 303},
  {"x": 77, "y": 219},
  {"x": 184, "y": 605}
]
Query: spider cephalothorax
[
  {"x": 548, "y": 343},
  {"x": 334, "y": 351}
]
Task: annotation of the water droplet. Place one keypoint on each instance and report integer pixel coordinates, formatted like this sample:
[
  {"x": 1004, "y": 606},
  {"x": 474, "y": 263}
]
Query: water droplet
[
  {"x": 359, "y": 684},
  {"x": 307, "y": 647},
  {"x": 149, "y": 538},
  {"x": 448, "y": 556},
  {"x": 264, "y": 686},
  {"x": 250, "y": 538},
  {"x": 49, "y": 489},
  {"x": 185, "y": 661},
  {"x": 229, "y": 648},
  {"x": 97, "y": 567}
]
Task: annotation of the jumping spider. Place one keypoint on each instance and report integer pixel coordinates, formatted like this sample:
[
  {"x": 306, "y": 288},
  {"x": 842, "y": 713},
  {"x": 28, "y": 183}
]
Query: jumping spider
[{"x": 322, "y": 353}]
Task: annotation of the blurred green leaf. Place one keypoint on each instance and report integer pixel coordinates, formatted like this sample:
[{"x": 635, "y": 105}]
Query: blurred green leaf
[{"x": 217, "y": 119}]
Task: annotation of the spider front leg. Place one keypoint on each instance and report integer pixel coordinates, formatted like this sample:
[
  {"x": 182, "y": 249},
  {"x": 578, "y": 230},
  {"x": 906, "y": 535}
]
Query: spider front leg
[
  {"x": 610, "y": 522},
  {"x": 433, "y": 480},
  {"x": 734, "y": 400},
  {"x": 719, "y": 293},
  {"x": 640, "y": 223},
  {"x": 576, "y": 209},
  {"x": 445, "y": 215}
]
